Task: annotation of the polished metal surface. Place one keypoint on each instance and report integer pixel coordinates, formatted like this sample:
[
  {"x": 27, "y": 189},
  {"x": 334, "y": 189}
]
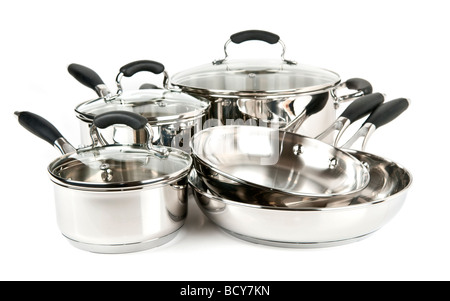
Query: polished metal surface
[
  {"x": 103, "y": 91},
  {"x": 335, "y": 131},
  {"x": 118, "y": 168},
  {"x": 64, "y": 146},
  {"x": 311, "y": 224},
  {"x": 265, "y": 91},
  {"x": 121, "y": 221},
  {"x": 173, "y": 115},
  {"x": 124, "y": 248},
  {"x": 360, "y": 138},
  {"x": 261, "y": 164},
  {"x": 283, "y": 46}
]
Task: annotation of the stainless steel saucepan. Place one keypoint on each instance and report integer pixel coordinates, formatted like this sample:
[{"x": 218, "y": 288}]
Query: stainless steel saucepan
[
  {"x": 260, "y": 164},
  {"x": 267, "y": 90},
  {"x": 313, "y": 226},
  {"x": 173, "y": 115},
  {"x": 116, "y": 198}
]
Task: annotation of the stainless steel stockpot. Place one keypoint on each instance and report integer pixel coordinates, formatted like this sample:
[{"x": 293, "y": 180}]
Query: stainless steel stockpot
[
  {"x": 116, "y": 198},
  {"x": 319, "y": 224},
  {"x": 173, "y": 115},
  {"x": 267, "y": 90}
]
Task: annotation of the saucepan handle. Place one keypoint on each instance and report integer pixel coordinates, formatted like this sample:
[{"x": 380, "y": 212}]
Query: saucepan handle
[
  {"x": 133, "y": 120},
  {"x": 89, "y": 78},
  {"x": 132, "y": 68},
  {"x": 43, "y": 129},
  {"x": 254, "y": 35}
]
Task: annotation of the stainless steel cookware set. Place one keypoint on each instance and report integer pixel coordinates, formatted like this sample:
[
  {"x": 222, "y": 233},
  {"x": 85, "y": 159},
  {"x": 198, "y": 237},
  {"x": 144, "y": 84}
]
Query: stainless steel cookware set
[{"x": 256, "y": 141}]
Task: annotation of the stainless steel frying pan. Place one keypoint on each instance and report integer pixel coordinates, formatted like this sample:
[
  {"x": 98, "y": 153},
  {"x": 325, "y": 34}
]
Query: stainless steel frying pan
[
  {"x": 309, "y": 227},
  {"x": 273, "y": 166}
]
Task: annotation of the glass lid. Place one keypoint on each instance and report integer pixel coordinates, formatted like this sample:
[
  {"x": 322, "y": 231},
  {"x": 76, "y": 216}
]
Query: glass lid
[
  {"x": 119, "y": 167},
  {"x": 250, "y": 76},
  {"x": 157, "y": 105}
]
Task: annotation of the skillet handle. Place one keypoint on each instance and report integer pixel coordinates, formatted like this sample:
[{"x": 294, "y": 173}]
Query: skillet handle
[
  {"x": 43, "y": 129},
  {"x": 89, "y": 78},
  {"x": 387, "y": 112},
  {"x": 362, "y": 106},
  {"x": 382, "y": 115}
]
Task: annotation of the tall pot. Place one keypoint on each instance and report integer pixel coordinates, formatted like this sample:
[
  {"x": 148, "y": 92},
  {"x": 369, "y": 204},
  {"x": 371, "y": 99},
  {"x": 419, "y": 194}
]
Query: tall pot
[{"x": 267, "y": 91}]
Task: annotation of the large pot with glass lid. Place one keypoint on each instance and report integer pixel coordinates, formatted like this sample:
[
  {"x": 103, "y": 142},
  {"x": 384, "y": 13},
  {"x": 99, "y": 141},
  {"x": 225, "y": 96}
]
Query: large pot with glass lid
[
  {"x": 173, "y": 115},
  {"x": 267, "y": 91}
]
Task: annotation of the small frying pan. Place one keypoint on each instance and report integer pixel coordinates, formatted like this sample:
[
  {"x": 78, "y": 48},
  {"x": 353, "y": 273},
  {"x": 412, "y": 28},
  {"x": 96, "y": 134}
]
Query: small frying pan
[{"x": 258, "y": 164}]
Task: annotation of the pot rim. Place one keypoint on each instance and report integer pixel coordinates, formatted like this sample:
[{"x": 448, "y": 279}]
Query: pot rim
[
  {"x": 261, "y": 93},
  {"x": 117, "y": 186},
  {"x": 87, "y": 116}
]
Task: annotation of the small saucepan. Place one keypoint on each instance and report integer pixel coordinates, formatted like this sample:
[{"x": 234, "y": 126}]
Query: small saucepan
[
  {"x": 173, "y": 115},
  {"x": 116, "y": 198}
]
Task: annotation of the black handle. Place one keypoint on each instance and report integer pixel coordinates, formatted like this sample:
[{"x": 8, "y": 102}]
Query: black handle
[
  {"x": 362, "y": 106},
  {"x": 359, "y": 84},
  {"x": 38, "y": 126},
  {"x": 86, "y": 76},
  {"x": 317, "y": 104},
  {"x": 259, "y": 35},
  {"x": 143, "y": 65},
  {"x": 131, "y": 119},
  {"x": 387, "y": 112},
  {"x": 148, "y": 86}
]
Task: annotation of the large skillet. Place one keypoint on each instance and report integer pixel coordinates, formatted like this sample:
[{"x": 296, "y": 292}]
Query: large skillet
[{"x": 313, "y": 226}]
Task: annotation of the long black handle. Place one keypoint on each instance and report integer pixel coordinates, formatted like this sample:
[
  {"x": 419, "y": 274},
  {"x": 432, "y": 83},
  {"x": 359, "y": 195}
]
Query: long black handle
[
  {"x": 259, "y": 35},
  {"x": 359, "y": 84},
  {"x": 362, "y": 106},
  {"x": 85, "y": 75},
  {"x": 387, "y": 112},
  {"x": 39, "y": 126},
  {"x": 143, "y": 65},
  {"x": 131, "y": 119}
]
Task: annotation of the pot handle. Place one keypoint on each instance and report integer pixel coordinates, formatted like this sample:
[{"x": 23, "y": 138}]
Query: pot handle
[
  {"x": 43, "y": 129},
  {"x": 361, "y": 86},
  {"x": 382, "y": 115},
  {"x": 143, "y": 132},
  {"x": 89, "y": 78},
  {"x": 314, "y": 106},
  {"x": 254, "y": 35},
  {"x": 259, "y": 35},
  {"x": 132, "y": 68},
  {"x": 133, "y": 120}
]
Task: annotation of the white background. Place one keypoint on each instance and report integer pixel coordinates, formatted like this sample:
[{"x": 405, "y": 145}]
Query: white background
[{"x": 401, "y": 47}]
